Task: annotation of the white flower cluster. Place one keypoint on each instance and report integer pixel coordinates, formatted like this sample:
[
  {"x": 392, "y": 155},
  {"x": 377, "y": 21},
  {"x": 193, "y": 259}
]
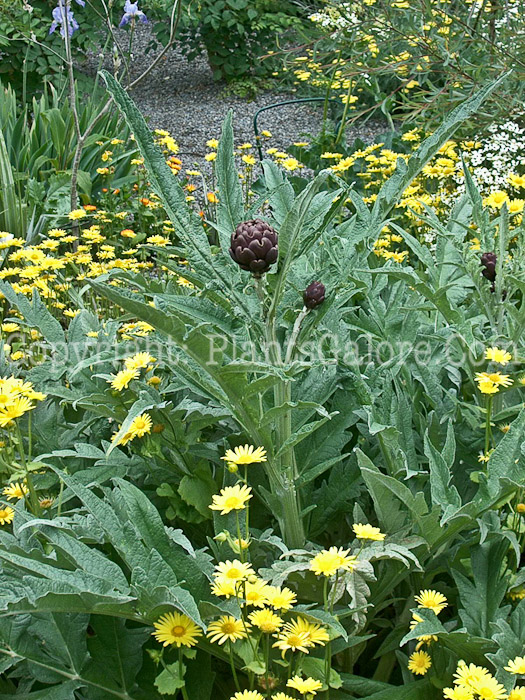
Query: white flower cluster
[
  {"x": 338, "y": 17},
  {"x": 511, "y": 28},
  {"x": 498, "y": 156}
]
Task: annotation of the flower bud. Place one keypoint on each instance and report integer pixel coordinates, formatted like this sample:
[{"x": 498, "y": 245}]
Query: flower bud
[
  {"x": 254, "y": 246},
  {"x": 313, "y": 295},
  {"x": 488, "y": 262}
]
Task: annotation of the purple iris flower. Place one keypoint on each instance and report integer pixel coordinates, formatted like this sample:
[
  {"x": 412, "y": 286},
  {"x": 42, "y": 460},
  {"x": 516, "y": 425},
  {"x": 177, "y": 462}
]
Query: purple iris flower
[
  {"x": 58, "y": 19},
  {"x": 132, "y": 13}
]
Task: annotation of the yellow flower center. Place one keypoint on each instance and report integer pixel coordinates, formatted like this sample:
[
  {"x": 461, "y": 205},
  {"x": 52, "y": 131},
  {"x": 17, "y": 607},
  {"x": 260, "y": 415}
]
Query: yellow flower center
[
  {"x": 294, "y": 640},
  {"x": 178, "y": 631},
  {"x": 232, "y": 502},
  {"x": 228, "y": 628},
  {"x": 233, "y": 573}
]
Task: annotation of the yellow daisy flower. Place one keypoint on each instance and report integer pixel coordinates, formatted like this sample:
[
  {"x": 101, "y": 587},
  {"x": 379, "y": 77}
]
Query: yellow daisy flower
[
  {"x": 488, "y": 688},
  {"x": 485, "y": 384},
  {"x": 139, "y": 361},
  {"x": 295, "y": 641},
  {"x": 247, "y": 454},
  {"x": 459, "y": 692},
  {"x": 329, "y": 562},
  {"x": 6, "y": 515},
  {"x": 517, "y": 666},
  {"x": 469, "y": 674},
  {"x": 15, "y": 491},
  {"x": 280, "y": 598},
  {"x": 500, "y": 379},
  {"x": 433, "y": 600},
  {"x": 227, "y": 629},
  {"x": 231, "y": 498},
  {"x": 306, "y": 686},
  {"x": 225, "y": 588},
  {"x": 517, "y": 693},
  {"x": 254, "y": 593},
  {"x": 266, "y": 620},
  {"x": 141, "y": 425},
  {"x": 419, "y": 663},
  {"x": 502, "y": 357},
  {"x": 368, "y": 532},
  {"x": 175, "y": 628},
  {"x": 122, "y": 379},
  {"x": 16, "y": 409},
  {"x": 233, "y": 571},
  {"x": 315, "y": 633},
  {"x": 76, "y": 214}
]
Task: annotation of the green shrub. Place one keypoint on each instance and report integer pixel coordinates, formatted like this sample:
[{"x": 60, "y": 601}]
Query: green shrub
[
  {"x": 29, "y": 54},
  {"x": 236, "y": 34}
]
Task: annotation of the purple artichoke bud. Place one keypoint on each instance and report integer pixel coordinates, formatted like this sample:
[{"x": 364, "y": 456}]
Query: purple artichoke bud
[
  {"x": 313, "y": 295},
  {"x": 488, "y": 262},
  {"x": 254, "y": 246}
]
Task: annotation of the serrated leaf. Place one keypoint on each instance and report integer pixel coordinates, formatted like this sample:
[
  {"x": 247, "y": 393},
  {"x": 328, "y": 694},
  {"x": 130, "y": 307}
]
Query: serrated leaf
[{"x": 230, "y": 209}]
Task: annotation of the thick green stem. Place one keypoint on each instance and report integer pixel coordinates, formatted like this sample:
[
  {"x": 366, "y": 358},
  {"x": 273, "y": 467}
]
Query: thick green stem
[
  {"x": 291, "y": 521},
  {"x": 282, "y": 471}
]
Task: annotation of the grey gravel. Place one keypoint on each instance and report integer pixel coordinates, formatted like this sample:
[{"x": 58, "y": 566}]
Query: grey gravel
[{"x": 183, "y": 98}]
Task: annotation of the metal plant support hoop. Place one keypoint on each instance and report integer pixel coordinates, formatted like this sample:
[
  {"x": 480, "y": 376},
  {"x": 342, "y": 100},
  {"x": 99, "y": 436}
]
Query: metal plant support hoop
[{"x": 301, "y": 100}]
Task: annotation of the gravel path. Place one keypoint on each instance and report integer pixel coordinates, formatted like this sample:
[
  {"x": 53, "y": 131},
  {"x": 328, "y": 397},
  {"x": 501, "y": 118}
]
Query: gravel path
[{"x": 183, "y": 98}]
